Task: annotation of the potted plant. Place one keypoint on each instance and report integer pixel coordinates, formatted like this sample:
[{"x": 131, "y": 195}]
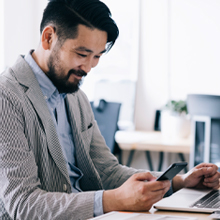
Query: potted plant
[{"x": 175, "y": 121}]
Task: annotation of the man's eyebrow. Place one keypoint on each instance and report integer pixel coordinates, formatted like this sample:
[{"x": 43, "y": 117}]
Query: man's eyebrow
[{"x": 87, "y": 50}]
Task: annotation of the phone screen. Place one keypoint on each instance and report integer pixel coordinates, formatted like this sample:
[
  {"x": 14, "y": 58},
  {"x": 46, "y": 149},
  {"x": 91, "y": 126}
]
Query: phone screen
[{"x": 172, "y": 170}]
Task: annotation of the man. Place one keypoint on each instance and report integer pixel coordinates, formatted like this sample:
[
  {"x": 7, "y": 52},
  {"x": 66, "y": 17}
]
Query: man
[{"x": 54, "y": 163}]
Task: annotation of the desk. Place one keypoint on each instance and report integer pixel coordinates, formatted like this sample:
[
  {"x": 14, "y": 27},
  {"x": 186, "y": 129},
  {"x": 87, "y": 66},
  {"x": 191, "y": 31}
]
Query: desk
[
  {"x": 115, "y": 215},
  {"x": 151, "y": 141}
]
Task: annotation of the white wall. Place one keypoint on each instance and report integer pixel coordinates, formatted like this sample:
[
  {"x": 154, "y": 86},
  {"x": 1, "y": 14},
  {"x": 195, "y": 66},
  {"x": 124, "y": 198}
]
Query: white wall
[
  {"x": 152, "y": 84},
  {"x": 2, "y": 63},
  {"x": 21, "y": 27},
  {"x": 179, "y": 53},
  {"x": 195, "y": 47}
]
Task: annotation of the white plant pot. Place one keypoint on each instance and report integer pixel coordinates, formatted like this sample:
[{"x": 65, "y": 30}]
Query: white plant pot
[{"x": 174, "y": 125}]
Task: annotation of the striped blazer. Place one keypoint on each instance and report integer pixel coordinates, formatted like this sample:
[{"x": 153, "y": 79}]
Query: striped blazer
[{"x": 34, "y": 182}]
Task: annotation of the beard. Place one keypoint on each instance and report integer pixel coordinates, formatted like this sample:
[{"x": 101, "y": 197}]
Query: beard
[{"x": 58, "y": 76}]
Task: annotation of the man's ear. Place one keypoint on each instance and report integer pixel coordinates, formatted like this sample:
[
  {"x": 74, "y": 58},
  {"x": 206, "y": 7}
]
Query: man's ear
[{"x": 47, "y": 37}]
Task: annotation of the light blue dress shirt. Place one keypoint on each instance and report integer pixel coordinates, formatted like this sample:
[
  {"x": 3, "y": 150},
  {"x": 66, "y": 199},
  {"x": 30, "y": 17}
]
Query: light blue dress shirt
[{"x": 57, "y": 108}]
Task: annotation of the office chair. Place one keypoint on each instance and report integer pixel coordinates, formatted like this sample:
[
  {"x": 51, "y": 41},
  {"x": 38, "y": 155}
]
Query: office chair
[
  {"x": 107, "y": 114},
  {"x": 205, "y": 113}
]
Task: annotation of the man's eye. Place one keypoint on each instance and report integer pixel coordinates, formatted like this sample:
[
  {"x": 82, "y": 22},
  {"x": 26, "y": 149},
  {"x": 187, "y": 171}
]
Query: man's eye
[{"x": 82, "y": 55}]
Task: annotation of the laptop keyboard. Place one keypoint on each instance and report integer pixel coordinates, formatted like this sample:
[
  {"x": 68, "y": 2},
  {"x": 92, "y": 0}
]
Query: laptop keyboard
[{"x": 211, "y": 200}]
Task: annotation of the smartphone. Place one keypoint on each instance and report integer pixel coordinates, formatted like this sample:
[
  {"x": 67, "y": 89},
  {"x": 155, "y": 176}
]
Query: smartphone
[{"x": 171, "y": 171}]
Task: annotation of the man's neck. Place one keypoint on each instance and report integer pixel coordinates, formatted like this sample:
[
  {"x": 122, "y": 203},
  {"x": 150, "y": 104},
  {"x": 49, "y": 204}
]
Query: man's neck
[{"x": 41, "y": 59}]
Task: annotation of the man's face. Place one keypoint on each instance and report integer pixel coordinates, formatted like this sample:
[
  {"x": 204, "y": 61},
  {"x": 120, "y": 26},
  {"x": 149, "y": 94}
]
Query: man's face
[{"x": 72, "y": 60}]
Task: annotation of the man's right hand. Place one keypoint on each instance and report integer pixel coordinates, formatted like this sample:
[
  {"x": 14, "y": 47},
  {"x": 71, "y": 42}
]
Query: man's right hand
[{"x": 138, "y": 193}]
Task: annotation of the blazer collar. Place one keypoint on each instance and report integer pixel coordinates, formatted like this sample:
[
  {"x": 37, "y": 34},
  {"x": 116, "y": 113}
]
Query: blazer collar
[{"x": 24, "y": 75}]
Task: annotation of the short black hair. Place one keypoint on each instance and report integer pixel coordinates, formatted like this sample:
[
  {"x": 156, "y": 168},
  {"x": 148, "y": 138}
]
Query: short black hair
[{"x": 66, "y": 15}]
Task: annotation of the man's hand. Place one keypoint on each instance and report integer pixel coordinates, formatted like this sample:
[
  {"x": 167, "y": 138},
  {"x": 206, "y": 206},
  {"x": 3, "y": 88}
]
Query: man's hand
[
  {"x": 204, "y": 175},
  {"x": 138, "y": 193}
]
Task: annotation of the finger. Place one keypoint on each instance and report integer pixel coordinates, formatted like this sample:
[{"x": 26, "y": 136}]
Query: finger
[
  {"x": 158, "y": 185},
  {"x": 212, "y": 178},
  {"x": 202, "y": 165},
  {"x": 214, "y": 185},
  {"x": 144, "y": 176},
  {"x": 204, "y": 171},
  {"x": 212, "y": 182},
  {"x": 210, "y": 171}
]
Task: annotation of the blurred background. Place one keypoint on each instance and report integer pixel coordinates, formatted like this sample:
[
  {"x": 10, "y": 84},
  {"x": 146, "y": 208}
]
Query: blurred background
[{"x": 166, "y": 50}]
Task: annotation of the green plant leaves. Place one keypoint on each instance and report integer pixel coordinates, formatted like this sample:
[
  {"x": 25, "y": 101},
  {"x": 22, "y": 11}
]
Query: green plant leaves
[{"x": 176, "y": 106}]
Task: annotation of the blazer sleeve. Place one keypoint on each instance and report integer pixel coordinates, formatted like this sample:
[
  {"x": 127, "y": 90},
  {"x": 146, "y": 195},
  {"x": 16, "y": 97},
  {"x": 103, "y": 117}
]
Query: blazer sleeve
[{"x": 112, "y": 173}]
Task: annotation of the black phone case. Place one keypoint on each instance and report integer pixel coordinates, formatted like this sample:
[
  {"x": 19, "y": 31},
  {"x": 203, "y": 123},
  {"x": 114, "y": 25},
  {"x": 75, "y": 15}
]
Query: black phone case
[{"x": 172, "y": 170}]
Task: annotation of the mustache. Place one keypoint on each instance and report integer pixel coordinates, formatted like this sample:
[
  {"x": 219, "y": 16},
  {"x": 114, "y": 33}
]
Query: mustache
[{"x": 77, "y": 72}]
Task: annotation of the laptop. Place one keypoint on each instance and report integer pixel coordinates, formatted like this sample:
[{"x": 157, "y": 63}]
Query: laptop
[{"x": 191, "y": 200}]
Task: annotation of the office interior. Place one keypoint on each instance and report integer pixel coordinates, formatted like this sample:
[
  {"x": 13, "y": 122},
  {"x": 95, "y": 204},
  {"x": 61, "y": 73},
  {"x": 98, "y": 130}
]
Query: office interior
[{"x": 165, "y": 51}]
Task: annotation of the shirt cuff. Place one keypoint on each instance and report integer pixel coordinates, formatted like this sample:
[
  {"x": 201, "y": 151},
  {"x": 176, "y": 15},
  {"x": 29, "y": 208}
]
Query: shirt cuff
[{"x": 98, "y": 207}]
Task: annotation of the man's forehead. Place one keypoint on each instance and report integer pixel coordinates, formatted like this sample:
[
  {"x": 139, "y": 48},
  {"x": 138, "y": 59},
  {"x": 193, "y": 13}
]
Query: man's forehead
[{"x": 91, "y": 39}]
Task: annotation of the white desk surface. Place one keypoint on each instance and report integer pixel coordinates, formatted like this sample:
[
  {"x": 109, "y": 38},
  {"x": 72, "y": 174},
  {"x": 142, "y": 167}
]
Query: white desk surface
[
  {"x": 154, "y": 214},
  {"x": 152, "y": 141}
]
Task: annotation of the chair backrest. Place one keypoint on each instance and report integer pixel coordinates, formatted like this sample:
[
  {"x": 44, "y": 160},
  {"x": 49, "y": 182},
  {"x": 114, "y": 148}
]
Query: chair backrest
[
  {"x": 205, "y": 115},
  {"x": 107, "y": 115},
  {"x": 121, "y": 91}
]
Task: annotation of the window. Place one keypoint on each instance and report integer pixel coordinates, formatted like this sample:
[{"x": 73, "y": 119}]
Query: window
[{"x": 2, "y": 35}]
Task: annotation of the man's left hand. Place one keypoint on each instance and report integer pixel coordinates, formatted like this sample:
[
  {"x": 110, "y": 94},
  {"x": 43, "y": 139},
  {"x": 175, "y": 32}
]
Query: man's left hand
[{"x": 204, "y": 175}]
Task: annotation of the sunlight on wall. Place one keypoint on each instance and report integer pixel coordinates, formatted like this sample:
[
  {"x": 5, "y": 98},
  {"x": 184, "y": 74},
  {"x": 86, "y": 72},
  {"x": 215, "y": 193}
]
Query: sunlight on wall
[{"x": 1, "y": 35}]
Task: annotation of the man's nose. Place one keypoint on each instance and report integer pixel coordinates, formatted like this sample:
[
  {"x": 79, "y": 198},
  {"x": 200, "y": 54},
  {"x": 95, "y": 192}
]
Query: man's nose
[{"x": 87, "y": 66}]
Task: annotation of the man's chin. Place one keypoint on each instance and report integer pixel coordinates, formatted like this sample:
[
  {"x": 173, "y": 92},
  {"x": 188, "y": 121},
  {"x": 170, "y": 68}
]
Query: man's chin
[{"x": 68, "y": 88}]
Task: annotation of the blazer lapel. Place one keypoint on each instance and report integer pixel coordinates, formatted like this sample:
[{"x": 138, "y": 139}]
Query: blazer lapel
[
  {"x": 90, "y": 180},
  {"x": 25, "y": 76}
]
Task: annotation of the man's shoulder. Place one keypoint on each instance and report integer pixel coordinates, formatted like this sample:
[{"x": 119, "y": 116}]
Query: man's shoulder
[
  {"x": 8, "y": 75},
  {"x": 7, "y": 80},
  {"x": 18, "y": 76},
  {"x": 10, "y": 88}
]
